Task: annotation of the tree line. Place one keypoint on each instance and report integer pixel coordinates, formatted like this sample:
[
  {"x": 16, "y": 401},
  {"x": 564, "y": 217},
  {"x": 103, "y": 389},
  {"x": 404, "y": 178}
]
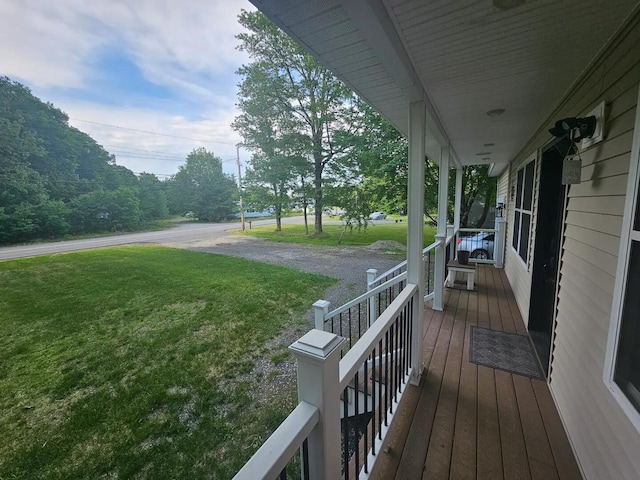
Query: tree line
[
  {"x": 315, "y": 144},
  {"x": 57, "y": 180}
]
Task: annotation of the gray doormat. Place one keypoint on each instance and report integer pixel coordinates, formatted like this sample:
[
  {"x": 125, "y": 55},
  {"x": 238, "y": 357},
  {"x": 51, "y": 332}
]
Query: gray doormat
[{"x": 505, "y": 351}]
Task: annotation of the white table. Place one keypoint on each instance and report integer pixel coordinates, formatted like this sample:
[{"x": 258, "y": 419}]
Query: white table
[{"x": 454, "y": 268}]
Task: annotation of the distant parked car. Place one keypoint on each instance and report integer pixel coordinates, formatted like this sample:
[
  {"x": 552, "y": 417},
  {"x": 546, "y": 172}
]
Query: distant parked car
[
  {"x": 378, "y": 216},
  {"x": 480, "y": 245},
  {"x": 190, "y": 214}
]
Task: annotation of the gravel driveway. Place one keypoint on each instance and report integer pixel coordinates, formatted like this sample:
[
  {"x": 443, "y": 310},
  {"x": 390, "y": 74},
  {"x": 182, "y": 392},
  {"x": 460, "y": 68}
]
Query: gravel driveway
[{"x": 348, "y": 264}]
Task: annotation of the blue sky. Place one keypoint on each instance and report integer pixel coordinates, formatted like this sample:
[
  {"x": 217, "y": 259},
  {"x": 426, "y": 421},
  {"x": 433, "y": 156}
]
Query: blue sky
[{"x": 144, "y": 66}]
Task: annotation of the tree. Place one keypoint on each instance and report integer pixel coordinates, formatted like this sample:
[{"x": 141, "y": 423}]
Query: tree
[
  {"x": 303, "y": 186},
  {"x": 477, "y": 187},
  {"x": 152, "y": 197},
  {"x": 46, "y": 166},
  {"x": 377, "y": 158},
  {"x": 379, "y": 153},
  {"x": 295, "y": 92},
  {"x": 276, "y": 148},
  {"x": 201, "y": 186},
  {"x": 22, "y": 191},
  {"x": 105, "y": 210}
]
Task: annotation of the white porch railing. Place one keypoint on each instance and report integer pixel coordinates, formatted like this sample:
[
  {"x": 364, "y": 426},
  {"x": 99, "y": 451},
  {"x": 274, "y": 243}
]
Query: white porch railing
[
  {"x": 272, "y": 458},
  {"x": 428, "y": 258},
  {"x": 479, "y": 242},
  {"x": 365, "y": 388},
  {"x": 352, "y": 319}
]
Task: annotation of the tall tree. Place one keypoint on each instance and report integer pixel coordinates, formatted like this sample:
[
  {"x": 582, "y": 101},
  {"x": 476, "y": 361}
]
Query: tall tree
[
  {"x": 295, "y": 92},
  {"x": 276, "y": 146},
  {"x": 46, "y": 166},
  {"x": 202, "y": 187},
  {"x": 477, "y": 188},
  {"x": 152, "y": 197},
  {"x": 379, "y": 153}
]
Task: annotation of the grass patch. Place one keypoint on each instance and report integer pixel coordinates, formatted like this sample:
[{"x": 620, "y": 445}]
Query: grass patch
[
  {"x": 131, "y": 362},
  {"x": 278, "y": 358},
  {"x": 331, "y": 233}
]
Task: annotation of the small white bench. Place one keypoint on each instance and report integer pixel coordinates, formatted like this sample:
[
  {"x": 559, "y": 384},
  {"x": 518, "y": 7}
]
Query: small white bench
[{"x": 469, "y": 270}]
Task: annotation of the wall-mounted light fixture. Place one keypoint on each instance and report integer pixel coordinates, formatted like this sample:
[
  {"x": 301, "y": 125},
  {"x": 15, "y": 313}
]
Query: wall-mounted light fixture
[
  {"x": 575, "y": 128},
  {"x": 571, "y": 131}
]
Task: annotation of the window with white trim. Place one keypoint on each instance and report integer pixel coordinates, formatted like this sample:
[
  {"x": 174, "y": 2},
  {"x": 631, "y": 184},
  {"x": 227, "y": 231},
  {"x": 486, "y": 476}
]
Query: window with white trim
[
  {"x": 622, "y": 363},
  {"x": 523, "y": 208},
  {"x": 627, "y": 367}
]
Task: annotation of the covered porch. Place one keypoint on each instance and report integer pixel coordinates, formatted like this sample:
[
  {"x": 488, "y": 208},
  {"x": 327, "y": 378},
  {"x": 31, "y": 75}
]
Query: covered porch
[
  {"x": 467, "y": 83},
  {"x": 468, "y": 421}
]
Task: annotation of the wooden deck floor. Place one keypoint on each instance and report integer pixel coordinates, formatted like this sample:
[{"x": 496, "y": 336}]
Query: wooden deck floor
[{"x": 467, "y": 421}]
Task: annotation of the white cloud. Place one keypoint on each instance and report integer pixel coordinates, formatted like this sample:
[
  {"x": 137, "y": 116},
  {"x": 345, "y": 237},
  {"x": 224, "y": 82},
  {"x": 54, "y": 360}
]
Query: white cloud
[
  {"x": 188, "y": 47},
  {"x": 37, "y": 47},
  {"x": 52, "y": 43}
]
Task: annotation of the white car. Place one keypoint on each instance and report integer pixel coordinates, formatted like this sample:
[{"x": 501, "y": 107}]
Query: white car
[
  {"x": 377, "y": 216},
  {"x": 480, "y": 245}
]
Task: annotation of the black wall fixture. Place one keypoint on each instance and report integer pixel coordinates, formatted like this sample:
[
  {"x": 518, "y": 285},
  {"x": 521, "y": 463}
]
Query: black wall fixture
[{"x": 575, "y": 128}]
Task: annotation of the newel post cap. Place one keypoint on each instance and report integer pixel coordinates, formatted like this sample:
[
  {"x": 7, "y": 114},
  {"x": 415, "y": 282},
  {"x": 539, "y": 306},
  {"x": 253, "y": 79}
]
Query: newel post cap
[
  {"x": 321, "y": 304},
  {"x": 317, "y": 343}
]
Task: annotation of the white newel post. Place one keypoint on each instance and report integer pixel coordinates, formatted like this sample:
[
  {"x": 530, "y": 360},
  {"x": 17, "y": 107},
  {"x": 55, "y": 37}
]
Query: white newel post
[
  {"x": 320, "y": 309},
  {"x": 415, "y": 227},
  {"x": 371, "y": 276},
  {"x": 457, "y": 207},
  {"x": 458, "y": 200},
  {"x": 318, "y": 357},
  {"x": 441, "y": 236},
  {"x": 501, "y": 231}
]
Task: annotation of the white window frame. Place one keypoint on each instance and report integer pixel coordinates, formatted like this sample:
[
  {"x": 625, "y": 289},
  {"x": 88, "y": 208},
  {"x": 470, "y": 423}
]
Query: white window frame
[
  {"x": 532, "y": 158},
  {"x": 627, "y": 235}
]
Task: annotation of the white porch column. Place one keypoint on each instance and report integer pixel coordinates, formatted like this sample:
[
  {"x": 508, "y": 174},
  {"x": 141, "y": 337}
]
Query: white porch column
[
  {"x": 318, "y": 357},
  {"x": 441, "y": 236},
  {"x": 498, "y": 249},
  {"x": 415, "y": 227},
  {"x": 458, "y": 200}
]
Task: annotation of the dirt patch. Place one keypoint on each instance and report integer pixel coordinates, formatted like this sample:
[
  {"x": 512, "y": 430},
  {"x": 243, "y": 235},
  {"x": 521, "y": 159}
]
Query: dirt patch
[{"x": 386, "y": 246}]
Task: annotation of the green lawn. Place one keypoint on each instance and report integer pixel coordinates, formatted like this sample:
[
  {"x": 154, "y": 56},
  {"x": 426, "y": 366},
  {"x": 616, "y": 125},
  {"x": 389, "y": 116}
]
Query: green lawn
[
  {"x": 374, "y": 232},
  {"x": 133, "y": 362}
]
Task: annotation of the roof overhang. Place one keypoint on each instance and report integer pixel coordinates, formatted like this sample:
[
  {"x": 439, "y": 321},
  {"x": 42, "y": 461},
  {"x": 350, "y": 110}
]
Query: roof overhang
[{"x": 466, "y": 60}]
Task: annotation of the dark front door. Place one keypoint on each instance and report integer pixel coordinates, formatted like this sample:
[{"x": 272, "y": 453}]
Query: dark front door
[{"x": 546, "y": 254}]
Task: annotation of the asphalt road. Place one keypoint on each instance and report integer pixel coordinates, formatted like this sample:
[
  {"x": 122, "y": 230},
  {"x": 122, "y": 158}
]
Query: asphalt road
[{"x": 184, "y": 235}]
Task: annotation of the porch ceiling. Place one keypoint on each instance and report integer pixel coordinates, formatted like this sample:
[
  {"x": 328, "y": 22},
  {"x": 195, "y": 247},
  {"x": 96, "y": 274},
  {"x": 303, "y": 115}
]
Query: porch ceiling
[{"x": 464, "y": 58}]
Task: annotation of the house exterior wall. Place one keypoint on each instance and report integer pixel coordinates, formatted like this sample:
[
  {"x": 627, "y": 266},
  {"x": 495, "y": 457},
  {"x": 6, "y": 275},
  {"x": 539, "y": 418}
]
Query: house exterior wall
[
  {"x": 503, "y": 185},
  {"x": 518, "y": 271},
  {"x": 606, "y": 444}
]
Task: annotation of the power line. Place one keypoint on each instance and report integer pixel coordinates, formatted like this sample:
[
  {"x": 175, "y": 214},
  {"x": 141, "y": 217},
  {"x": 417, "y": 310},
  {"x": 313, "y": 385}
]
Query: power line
[
  {"x": 138, "y": 156},
  {"x": 151, "y": 133},
  {"x": 149, "y": 157},
  {"x": 138, "y": 149}
]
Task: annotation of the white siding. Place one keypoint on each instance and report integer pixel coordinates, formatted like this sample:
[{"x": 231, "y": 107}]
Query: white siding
[
  {"x": 503, "y": 185},
  {"x": 606, "y": 443}
]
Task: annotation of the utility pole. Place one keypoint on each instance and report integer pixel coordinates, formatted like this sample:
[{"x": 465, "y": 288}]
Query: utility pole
[{"x": 240, "y": 185}]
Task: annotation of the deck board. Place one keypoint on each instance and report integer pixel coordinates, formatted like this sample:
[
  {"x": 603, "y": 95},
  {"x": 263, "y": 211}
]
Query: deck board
[
  {"x": 514, "y": 452},
  {"x": 438, "y": 462},
  {"x": 471, "y": 421},
  {"x": 463, "y": 455}
]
